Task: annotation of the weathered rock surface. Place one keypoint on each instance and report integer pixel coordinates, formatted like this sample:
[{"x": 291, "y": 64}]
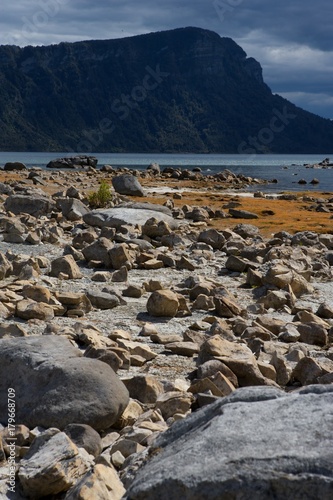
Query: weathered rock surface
[
  {"x": 29, "y": 204},
  {"x": 101, "y": 483},
  {"x": 72, "y": 208},
  {"x": 128, "y": 185},
  {"x": 52, "y": 465},
  {"x": 225, "y": 451},
  {"x": 84, "y": 436},
  {"x": 163, "y": 303},
  {"x": 120, "y": 216},
  {"x": 55, "y": 386}
]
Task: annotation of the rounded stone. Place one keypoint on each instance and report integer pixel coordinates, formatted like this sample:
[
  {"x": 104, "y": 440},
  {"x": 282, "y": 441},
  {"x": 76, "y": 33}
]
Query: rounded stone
[{"x": 163, "y": 303}]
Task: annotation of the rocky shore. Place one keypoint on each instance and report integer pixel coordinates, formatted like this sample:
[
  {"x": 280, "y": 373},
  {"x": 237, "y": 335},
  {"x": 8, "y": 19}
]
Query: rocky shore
[{"x": 174, "y": 343}]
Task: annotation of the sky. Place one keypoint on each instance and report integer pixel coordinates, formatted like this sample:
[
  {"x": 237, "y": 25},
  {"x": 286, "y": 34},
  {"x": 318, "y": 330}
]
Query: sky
[{"x": 292, "y": 39}]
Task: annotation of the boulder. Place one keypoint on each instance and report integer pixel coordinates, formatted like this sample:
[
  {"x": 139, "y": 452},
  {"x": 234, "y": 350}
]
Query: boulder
[
  {"x": 144, "y": 388},
  {"x": 5, "y": 266},
  {"x": 313, "y": 333},
  {"x": 65, "y": 265},
  {"x": 172, "y": 402},
  {"x": 238, "y": 357},
  {"x": 128, "y": 185},
  {"x": 120, "y": 216},
  {"x": 73, "y": 162},
  {"x": 29, "y": 204},
  {"x": 56, "y": 386},
  {"x": 242, "y": 214},
  {"x": 154, "y": 168},
  {"x": 119, "y": 256},
  {"x": 100, "y": 483},
  {"x": 106, "y": 355},
  {"x": 213, "y": 238},
  {"x": 256, "y": 443},
  {"x": 71, "y": 208},
  {"x": 12, "y": 330},
  {"x": 15, "y": 231},
  {"x": 14, "y": 165},
  {"x": 84, "y": 436},
  {"x": 163, "y": 303},
  {"x": 154, "y": 228},
  {"x": 98, "y": 250},
  {"x": 102, "y": 300},
  {"x": 246, "y": 230},
  {"x": 52, "y": 465},
  {"x": 227, "y": 307},
  {"x": 29, "y": 309}
]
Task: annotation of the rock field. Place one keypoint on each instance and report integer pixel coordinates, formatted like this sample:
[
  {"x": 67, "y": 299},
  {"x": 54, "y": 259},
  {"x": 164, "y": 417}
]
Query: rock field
[{"x": 146, "y": 354}]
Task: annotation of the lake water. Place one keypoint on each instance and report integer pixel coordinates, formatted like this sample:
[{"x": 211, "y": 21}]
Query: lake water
[{"x": 287, "y": 169}]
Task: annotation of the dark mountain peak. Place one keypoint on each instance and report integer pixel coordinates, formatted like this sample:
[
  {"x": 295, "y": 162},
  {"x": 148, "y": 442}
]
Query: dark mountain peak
[{"x": 187, "y": 89}]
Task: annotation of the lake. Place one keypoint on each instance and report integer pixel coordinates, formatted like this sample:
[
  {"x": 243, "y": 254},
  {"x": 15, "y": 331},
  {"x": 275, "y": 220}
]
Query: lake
[{"x": 287, "y": 169}]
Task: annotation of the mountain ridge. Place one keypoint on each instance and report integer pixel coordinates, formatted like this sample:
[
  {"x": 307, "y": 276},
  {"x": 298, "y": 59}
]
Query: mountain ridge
[{"x": 183, "y": 90}]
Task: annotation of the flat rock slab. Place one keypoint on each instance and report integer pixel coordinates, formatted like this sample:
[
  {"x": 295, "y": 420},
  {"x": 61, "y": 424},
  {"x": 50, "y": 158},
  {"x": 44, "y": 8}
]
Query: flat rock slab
[
  {"x": 116, "y": 217},
  {"x": 55, "y": 386},
  {"x": 257, "y": 443},
  {"x": 242, "y": 214}
]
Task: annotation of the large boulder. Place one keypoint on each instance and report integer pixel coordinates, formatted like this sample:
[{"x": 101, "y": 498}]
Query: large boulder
[
  {"x": 14, "y": 165},
  {"x": 128, "y": 185},
  {"x": 56, "y": 386},
  {"x": 256, "y": 443},
  {"x": 120, "y": 216},
  {"x": 29, "y": 204},
  {"x": 73, "y": 162}
]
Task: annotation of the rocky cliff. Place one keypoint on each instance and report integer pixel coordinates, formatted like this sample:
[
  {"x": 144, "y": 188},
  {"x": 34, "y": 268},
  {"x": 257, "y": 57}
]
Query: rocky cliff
[{"x": 184, "y": 90}]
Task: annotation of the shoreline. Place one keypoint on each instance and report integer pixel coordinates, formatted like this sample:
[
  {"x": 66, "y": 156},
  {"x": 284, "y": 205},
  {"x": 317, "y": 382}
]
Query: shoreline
[{"x": 290, "y": 211}]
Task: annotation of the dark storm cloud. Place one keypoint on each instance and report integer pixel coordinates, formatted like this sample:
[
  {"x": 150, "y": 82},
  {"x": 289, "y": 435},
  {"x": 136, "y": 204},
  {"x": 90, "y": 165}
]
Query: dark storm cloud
[{"x": 292, "y": 40}]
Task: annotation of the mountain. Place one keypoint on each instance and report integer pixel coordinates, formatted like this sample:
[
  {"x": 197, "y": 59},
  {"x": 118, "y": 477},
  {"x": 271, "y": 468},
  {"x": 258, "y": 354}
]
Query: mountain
[{"x": 183, "y": 90}]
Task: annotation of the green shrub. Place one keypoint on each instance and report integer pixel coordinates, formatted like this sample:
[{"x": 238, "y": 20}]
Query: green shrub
[{"x": 102, "y": 197}]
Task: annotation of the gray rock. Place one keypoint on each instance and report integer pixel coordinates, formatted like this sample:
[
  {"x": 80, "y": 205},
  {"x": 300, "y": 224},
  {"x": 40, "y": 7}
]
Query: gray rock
[
  {"x": 242, "y": 214},
  {"x": 71, "y": 208},
  {"x": 120, "y": 216},
  {"x": 29, "y": 204},
  {"x": 84, "y": 436},
  {"x": 154, "y": 168},
  {"x": 246, "y": 230},
  {"x": 102, "y": 300},
  {"x": 256, "y": 443},
  {"x": 56, "y": 386},
  {"x": 140, "y": 205},
  {"x": 15, "y": 165},
  {"x": 98, "y": 251},
  {"x": 5, "y": 188},
  {"x": 73, "y": 162},
  {"x": 127, "y": 184},
  {"x": 213, "y": 238}
]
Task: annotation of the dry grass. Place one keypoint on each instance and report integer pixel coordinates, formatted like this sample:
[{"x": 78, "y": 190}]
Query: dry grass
[{"x": 274, "y": 215}]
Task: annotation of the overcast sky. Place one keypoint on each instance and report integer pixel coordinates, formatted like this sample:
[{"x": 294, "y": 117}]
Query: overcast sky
[{"x": 292, "y": 39}]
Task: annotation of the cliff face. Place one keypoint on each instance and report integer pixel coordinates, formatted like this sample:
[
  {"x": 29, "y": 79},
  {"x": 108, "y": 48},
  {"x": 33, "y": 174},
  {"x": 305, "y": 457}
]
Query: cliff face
[{"x": 185, "y": 90}]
